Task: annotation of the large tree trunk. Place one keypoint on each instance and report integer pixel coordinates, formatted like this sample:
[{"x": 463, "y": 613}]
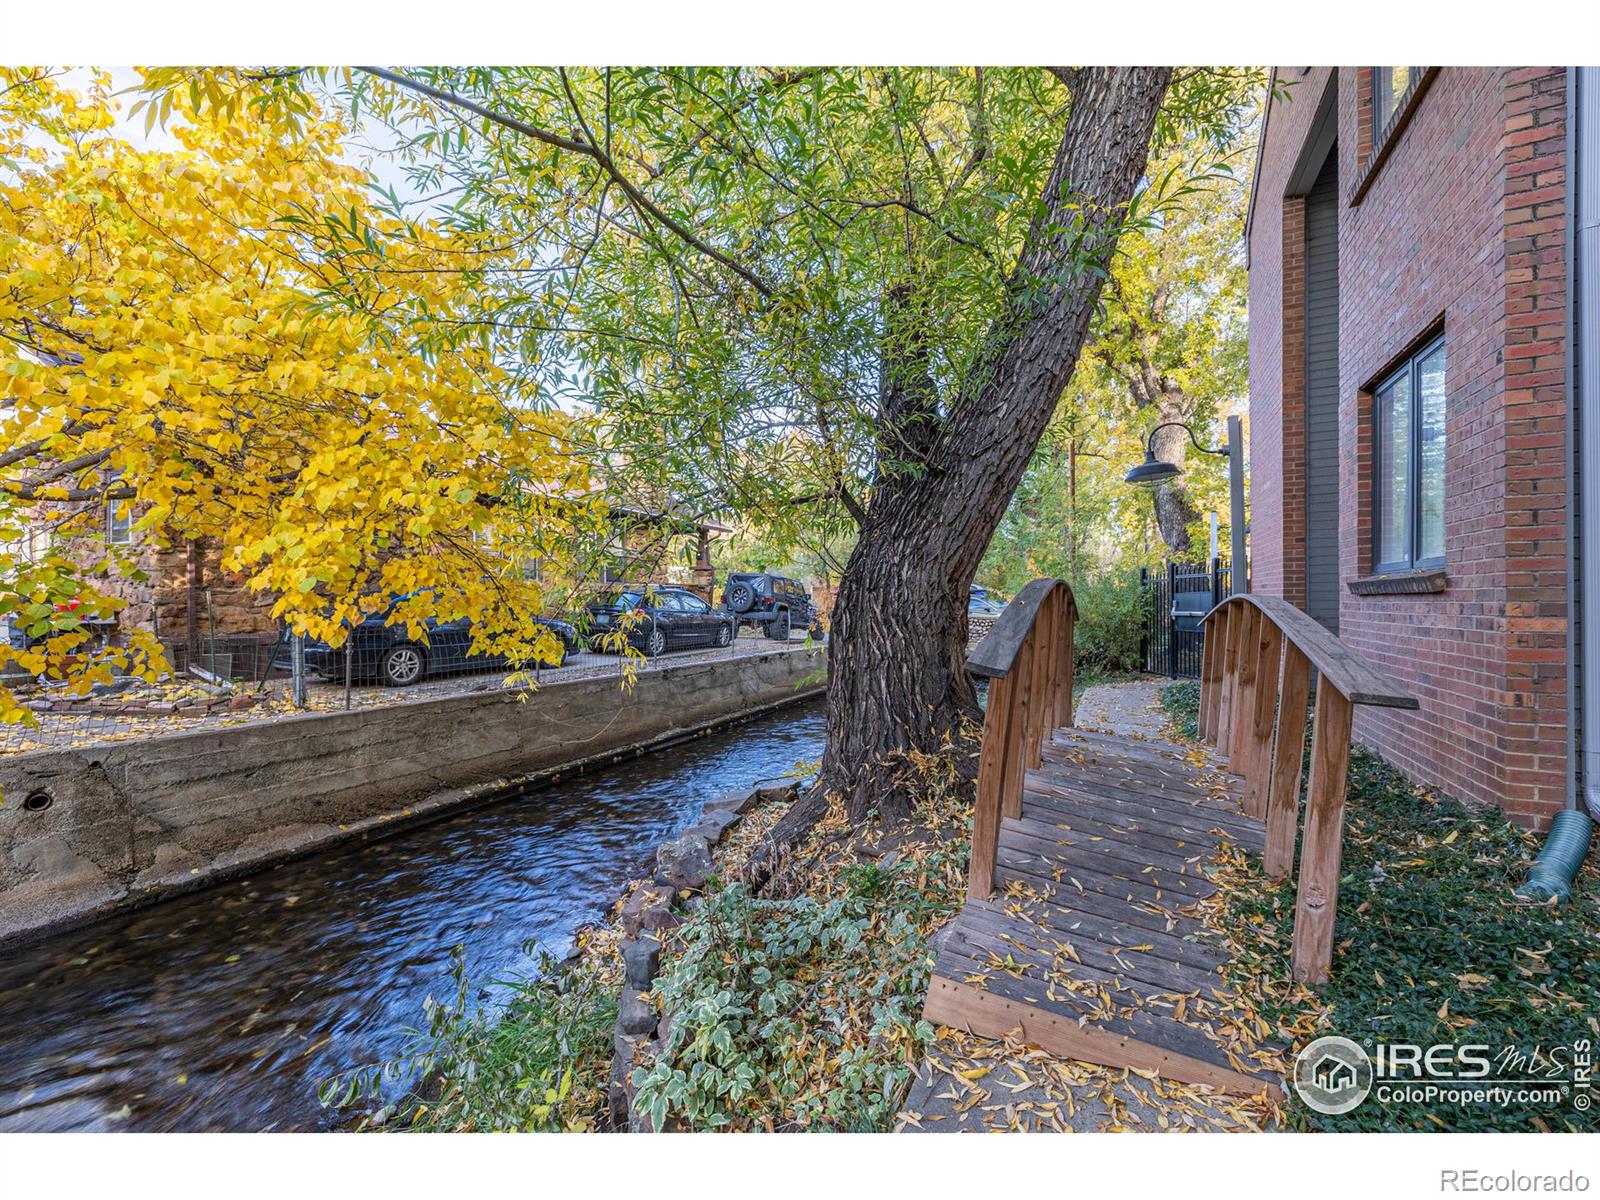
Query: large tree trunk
[
  {"x": 897, "y": 683},
  {"x": 1175, "y": 508}
]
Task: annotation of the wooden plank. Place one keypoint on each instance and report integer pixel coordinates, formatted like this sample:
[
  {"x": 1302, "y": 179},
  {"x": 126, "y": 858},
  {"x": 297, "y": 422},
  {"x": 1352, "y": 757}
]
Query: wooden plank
[
  {"x": 991, "y": 1015},
  {"x": 1317, "y": 899},
  {"x": 1014, "y": 758},
  {"x": 1041, "y": 687},
  {"x": 1058, "y": 914},
  {"x": 1208, "y": 677},
  {"x": 1144, "y": 1014},
  {"x": 1351, "y": 674},
  {"x": 1244, "y": 692},
  {"x": 1075, "y": 869},
  {"x": 1124, "y": 839},
  {"x": 1132, "y": 787},
  {"x": 1143, "y": 819},
  {"x": 991, "y": 767},
  {"x": 1078, "y": 742},
  {"x": 1147, "y": 865},
  {"x": 1258, "y": 744},
  {"x": 1225, "y": 684},
  {"x": 1142, "y": 972},
  {"x": 1283, "y": 798},
  {"x": 1064, "y": 703},
  {"x": 1112, "y": 908},
  {"x": 1133, "y": 771},
  {"x": 1191, "y": 814},
  {"x": 1130, "y": 781}
]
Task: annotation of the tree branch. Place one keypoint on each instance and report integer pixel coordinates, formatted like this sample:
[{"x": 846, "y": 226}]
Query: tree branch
[{"x": 588, "y": 148}]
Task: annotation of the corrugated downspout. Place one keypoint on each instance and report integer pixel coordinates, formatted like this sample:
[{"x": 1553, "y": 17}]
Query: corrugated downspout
[
  {"x": 1584, "y": 163},
  {"x": 1550, "y": 880}
]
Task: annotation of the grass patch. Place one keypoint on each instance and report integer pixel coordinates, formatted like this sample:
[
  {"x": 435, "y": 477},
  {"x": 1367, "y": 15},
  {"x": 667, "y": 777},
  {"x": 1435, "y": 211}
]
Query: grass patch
[{"x": 1430, "y": 948}]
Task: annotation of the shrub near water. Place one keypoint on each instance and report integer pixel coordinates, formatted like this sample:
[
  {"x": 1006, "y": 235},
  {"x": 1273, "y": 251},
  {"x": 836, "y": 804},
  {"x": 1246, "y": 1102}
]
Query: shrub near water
[
  {"x": 1430, "y": 947},
  {"x": 805, "y": 1013},
  {"x": 537, "y": 1063}
]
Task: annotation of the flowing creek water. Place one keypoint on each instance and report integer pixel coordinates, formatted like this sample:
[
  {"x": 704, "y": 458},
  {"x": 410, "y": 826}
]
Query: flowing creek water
[{"x": 226, "y": 1008}]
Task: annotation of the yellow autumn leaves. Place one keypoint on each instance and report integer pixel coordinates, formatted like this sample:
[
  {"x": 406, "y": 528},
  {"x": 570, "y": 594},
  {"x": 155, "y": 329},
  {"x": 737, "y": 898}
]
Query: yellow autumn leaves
[{"x": 236, "y": 338}]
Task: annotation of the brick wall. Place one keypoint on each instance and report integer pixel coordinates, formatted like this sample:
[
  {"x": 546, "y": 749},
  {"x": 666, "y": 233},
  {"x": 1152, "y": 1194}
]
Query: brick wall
[
  {"x": 1462, "y": 227},
  {"x": 1277, "y": 344}
]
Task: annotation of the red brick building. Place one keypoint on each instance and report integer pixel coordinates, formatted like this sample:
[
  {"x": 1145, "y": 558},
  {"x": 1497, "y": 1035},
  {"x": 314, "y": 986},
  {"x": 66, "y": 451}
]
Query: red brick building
[{"x": 1413, "y": 457}]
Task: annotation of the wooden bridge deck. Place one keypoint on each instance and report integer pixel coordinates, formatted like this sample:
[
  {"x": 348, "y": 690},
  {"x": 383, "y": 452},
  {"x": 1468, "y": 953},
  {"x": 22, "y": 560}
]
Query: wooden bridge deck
[{"x": 1082, "y": 941}]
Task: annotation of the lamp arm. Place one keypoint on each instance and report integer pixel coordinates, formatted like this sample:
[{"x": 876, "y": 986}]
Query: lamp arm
[{"x": 1150, "y": 441}]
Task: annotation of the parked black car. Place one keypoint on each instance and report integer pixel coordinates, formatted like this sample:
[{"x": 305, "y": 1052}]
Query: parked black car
[
  {"x": 772, "y": 603},
  {"x": 669, "y": 618},
  {"x": 387, "y": 654}
]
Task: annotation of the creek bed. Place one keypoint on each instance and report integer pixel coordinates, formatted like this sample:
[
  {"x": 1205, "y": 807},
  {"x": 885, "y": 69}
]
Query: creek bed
[{"x": 226, "y": 1008}]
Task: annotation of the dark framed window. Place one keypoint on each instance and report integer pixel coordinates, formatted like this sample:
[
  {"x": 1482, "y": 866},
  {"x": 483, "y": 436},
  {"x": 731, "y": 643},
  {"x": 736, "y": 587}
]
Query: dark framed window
[
  {"x": 1408, "y": 418},
  {"x": 119, "y": 515},
  {"x": 1391, "y": 88}
]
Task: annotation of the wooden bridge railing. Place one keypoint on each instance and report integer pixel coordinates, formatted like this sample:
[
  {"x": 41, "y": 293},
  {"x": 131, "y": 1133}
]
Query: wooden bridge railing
[
  {"x": 1255, "y": 689},
  {"x": 1027, "y": 658}
]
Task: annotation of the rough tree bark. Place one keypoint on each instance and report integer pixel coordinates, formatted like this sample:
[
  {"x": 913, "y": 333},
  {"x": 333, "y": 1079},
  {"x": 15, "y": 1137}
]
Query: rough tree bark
[
  {"x": 897, "y": 680},
  {"x": 1175, "y": 508}
]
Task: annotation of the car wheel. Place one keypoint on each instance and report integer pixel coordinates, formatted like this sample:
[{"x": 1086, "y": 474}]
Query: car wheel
[
  {"x": 402, "y": 665},
  {"x": 724, "y": 634},
  {"x": 778, "y": 628},
  {"x": 741, "y": 597},
  {"x": 655, "y": 644},
  {"x": 818, "y": 633}
]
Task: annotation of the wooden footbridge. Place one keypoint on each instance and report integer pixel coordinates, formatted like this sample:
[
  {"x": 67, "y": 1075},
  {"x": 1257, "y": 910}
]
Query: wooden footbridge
[{"x": 1090, "y": 852}]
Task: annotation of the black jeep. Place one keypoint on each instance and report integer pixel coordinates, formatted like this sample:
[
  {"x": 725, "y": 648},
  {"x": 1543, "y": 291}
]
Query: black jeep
[{"x": 771, "y": 603}]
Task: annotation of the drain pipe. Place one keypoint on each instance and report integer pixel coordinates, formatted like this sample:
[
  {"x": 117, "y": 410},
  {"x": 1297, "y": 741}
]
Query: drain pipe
[{"x": 1550, "y": 879}]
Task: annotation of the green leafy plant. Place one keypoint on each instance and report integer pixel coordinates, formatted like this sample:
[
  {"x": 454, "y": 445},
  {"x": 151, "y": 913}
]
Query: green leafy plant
[
  {"x": 535, "y": 1064},
  {"x": 1429, "y": 945},
  {"x": 1182, "y": 702},
  {"x": 750, "y": 993},
  {"x": 1110, "y": 623}
]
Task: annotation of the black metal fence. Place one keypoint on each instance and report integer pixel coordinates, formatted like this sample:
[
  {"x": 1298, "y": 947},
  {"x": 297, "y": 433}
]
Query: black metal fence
[{"x": 1176, "y": 597}]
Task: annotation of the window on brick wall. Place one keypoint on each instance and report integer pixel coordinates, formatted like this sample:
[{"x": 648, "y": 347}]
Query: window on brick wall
[
  {"x": 1391, "y": 88},
  {"x": 1408, "y": 410},
  {"x": 119, "y": 516}
]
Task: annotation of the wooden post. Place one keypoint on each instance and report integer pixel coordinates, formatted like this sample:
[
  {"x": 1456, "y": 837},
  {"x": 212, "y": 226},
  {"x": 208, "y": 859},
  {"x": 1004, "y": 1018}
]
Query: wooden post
[
  {"x": 1283, "y": 796},
  {"x": 1208, "y": 676},
  {"x": 1063, "y": 714},
  {"x": 1232, "y": 618},
  {"x": 1244, "y": 691},
  {"x": 1064, "y": 711},
  {"x": 1317, "y": 900},
  {"x": 1016, "y": 755},
  {"x": 1043, "y": 709},
  {"x": 991, "y": 775},
  {"x": 1258, "y": 747}
]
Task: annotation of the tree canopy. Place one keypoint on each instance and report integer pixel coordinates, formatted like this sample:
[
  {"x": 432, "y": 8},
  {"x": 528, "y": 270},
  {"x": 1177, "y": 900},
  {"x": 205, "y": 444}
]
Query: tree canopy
[
  {"x": 242, "y": 340},
  {"x": 718, "y": 256}
]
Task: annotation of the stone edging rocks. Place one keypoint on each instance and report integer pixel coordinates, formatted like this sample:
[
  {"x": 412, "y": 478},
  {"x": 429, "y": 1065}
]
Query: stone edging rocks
[
  {"x": 142, "y": 706},
  {"x": 650, "y": 909}
]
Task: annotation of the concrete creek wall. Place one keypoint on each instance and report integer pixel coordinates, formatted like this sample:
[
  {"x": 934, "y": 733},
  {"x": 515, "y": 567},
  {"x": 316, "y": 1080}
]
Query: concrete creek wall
[{"x": 130, "y": 821}]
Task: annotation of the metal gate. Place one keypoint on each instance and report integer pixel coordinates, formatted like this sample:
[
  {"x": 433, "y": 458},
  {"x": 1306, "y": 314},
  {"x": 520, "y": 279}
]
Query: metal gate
[{"x": 1175, "y": 598}]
